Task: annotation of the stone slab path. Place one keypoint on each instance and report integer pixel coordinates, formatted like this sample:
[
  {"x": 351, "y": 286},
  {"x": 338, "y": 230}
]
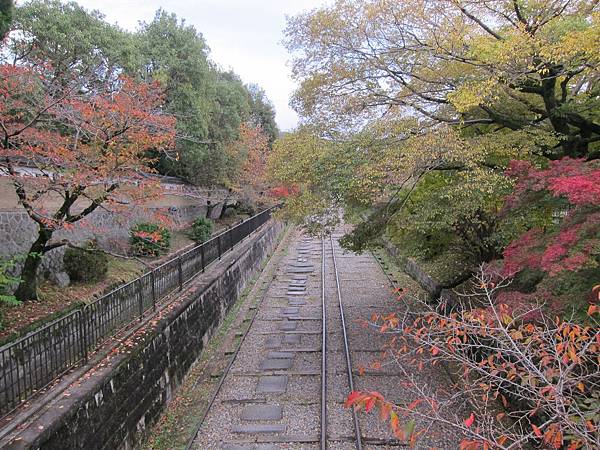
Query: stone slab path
[{"x": 271, "y": 396}]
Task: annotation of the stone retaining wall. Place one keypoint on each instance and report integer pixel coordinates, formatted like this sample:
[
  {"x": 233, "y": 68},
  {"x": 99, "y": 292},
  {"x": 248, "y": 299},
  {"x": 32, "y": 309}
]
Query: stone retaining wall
[
  {"x": 435, "y": 290},
  {"x": 111, "y": 230},
  {"x": 113, "y": 408},
  {"x": 412, "y": 269}
]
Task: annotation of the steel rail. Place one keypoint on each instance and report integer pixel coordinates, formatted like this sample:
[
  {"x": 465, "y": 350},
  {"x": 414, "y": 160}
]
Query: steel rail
[
  {"x": 346, "y": 346},
  {"x": 323, "y": 353}
]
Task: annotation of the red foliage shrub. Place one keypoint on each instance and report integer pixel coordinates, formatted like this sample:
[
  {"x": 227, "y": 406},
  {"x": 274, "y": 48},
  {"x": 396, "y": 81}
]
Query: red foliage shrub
[
  {"x": 283, "y": 191},
  {"x": 523, "y": 252},
  {"x": 574, "y": 179},
  {"x": 573, "y": 246}
]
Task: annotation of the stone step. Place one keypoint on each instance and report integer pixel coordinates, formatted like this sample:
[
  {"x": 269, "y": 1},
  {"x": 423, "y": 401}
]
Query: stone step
[
  {"x": 259, "y": 428},
  {"x": 288, "y": 325},
  {"x": 280, "y": 355},
  {"x": 272, "y": 384},
  {"x": 276, "y": 364},
  {"x": 256, "y": 413}
]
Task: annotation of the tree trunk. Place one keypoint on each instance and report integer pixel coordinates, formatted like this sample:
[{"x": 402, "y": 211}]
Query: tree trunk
[
  {"x": 226, "y": 206},
  {"x": 27, "y": 290},
  {"x": 209, "y": 208},
  {"x": 559, "y": 123}
]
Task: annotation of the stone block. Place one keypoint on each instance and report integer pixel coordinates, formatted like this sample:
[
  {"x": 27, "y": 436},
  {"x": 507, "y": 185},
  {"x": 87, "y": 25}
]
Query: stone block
[
  {"x": 276, "y": 364},
  {"x": 273, "y": 384},
  {"x": 61, "y": 279},
  {"x": 262, "y": 412},
  {"x": 260, "y": 429}
]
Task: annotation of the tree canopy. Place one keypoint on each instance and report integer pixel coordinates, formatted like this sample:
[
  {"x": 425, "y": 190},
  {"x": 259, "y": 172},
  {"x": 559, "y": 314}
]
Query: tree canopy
[
  {"x": 6, "y": 12},
  {"x": 210, "y": 105},
  {"x": 505, "y": 64},
  {"x": 262, "y": 112},
  {"x": 412, "y": 112}
]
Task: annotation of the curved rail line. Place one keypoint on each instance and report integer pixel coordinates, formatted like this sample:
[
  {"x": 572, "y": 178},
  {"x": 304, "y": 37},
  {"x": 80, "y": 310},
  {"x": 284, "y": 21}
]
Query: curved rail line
[{"x": 346, "y": 346}]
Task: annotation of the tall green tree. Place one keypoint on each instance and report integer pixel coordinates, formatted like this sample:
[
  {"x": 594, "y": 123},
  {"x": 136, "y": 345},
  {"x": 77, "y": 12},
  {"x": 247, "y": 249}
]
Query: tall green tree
[
  {"x": 177, "y": 55},
  {"x": 209, "y": 104},
  {"x": 77, "y": 45},
  {"x": 262, "y": 112},
  {"x": 6, "y": 13}
]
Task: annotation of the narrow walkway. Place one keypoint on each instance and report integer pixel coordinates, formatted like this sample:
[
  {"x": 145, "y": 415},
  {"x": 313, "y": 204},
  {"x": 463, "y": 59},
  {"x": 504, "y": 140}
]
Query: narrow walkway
[{"x": 272, "y": 397}]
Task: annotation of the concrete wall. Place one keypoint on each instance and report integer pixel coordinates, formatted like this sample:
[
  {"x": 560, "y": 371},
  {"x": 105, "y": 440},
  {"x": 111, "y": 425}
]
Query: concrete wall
[
  {"x": 174, "y": 194},
  {"x": 113, "y": 409}
]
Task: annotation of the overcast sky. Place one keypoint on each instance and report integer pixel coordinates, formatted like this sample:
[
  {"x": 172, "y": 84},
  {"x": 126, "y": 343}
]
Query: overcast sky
[{"x": 244, "y": 35}]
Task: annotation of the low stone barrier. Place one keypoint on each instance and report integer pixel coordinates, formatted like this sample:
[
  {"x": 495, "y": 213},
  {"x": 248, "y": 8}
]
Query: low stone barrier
[
  {"x": 436, "y": 291},
  {"x": 412, "y": 269}
]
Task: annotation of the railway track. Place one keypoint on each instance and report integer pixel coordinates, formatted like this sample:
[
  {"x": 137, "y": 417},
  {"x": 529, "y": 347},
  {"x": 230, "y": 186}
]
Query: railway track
[
  {"x": 288, "y": 379},
  {"x": 360, "y": 431}
]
